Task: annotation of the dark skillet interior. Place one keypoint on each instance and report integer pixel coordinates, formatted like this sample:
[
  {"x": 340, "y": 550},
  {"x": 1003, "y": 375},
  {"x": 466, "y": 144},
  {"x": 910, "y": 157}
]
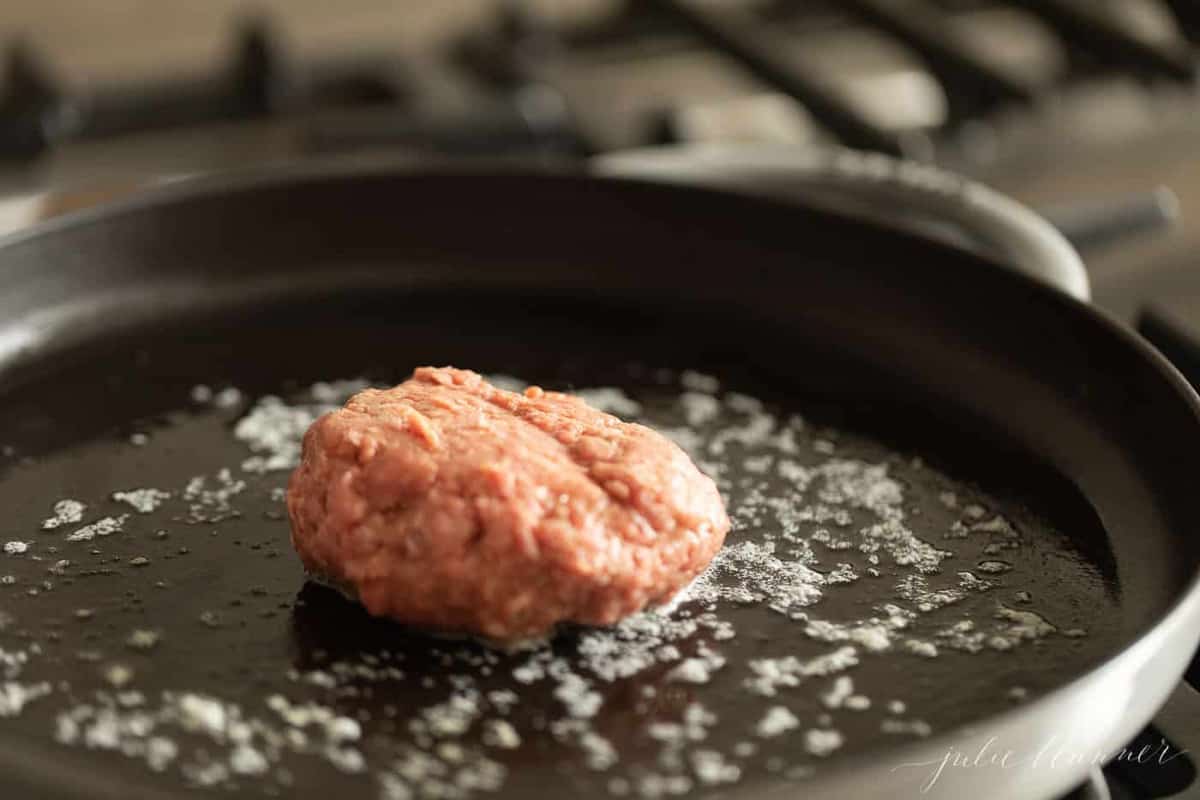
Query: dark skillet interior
[{"x": 565, "y": 281}]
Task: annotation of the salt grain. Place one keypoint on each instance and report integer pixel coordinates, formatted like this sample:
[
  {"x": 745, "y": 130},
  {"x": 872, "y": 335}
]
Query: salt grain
[
  {"x": 771, "y": 674},
  {"x": 921, "y": 647},
  {"x": 777, "y": 721},
  {"x": 699, "y": 382},
  {"x": 712, "y": 769},
  {"x": 500, "y": 733},
  {"x": 15, "y": 696},
  {"x": 915, "y": 727},
  {"x": 144, "y": 501},
  {"x": 273, "y": 429},
  {"x": 611, "y": 401},
  {"x": 246, "y": 760},
  {"x": 100, "y": 528},
  {"x": 143, "y": 639},
  {"x": 66, "y": 512},
  {"x": 822, "y": 743}
]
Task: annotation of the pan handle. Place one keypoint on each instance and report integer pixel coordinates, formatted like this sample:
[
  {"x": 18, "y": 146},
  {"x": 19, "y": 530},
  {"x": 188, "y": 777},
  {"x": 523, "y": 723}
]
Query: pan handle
[{"x": 885, "y": 190}]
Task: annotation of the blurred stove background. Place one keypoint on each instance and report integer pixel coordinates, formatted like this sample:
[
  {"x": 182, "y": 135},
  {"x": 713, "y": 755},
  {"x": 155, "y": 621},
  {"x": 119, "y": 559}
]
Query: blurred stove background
[
  {"x": 1072, "y": 106},
  {"x": 1085, "y": 109}
]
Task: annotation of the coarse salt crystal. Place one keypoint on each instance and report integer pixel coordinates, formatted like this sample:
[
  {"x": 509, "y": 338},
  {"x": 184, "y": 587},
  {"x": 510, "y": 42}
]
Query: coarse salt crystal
[
  {"x": 143, "y": 501},
  {"x": 822, "y": 743},
  {"x": 777, "y": 721},
  {"x": 102, "y": 527},
  {"x": 66, "y": 512}
]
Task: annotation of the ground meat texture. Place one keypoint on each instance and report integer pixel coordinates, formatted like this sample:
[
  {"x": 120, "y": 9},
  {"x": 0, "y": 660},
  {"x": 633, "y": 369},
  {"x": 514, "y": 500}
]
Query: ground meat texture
[{"x": 448, "y": 503}]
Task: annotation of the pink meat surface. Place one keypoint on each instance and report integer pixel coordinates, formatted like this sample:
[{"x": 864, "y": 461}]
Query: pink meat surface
[{"x": 449, "y": 503}]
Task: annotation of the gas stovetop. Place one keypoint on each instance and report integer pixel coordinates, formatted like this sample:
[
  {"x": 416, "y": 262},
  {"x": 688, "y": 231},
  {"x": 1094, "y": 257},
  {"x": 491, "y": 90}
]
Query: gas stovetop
[
  {"x": 1077, "y": 105},
  {"x": 1084, "y": 109}
]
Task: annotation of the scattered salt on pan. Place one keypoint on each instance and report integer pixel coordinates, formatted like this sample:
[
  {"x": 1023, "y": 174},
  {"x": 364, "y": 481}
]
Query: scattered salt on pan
[
  {"x": 200, "y": 713},
  {"x": 975, "y": 511},
  {"x": 973, "y": 583},
  {"x": 508, "y": 383},
  {"x": 894, "y": 538},
  {"x": 634, "y": 644},
  {"x": 915, "y": 727},
  {"x": 500, "y": 733},
  {"x": 996, "y": 524},
  {"x": 777, "y": 721},
  {"x": 770, "y": 674},
  {"x": 858, "y": 702},
  {"x": 829, "y": 502},
  {"x": 598, "y": 752},
  {"x": 343, "y": 729},
  {"x": 691, "y": 670},
  {"x": 454, "y": 717},
  {"x": 210, "y": 501},
  {"x": 1025, "y": 624},
  {"x": 697, "y": 669},
  {"x": 610, "y": 400},
  {"x": 334, "y": 393},
  {"x": 822, "y": 743},
  {"x": 502, "y": 699},
  {"x": 274, "y": 429},
  {"x": 915, "y": 589},
  {"x": 143, "y": 501},
  {"x": 244, "y": 745},
  {"x": 962, "y": 635},
  {"x": 66, "y": 512},
  {"x": 160, "y": 752},
  {"x": 227, "y": 398},
  {"x": 245, "y": 760},
  {"x": 921, "y": 647},
  {"x": 699, "y": 382},
  {"x": 102, "y": 527},
  {"x": 750, "y": 572},
  {"x": 873, "y": 634},
  {"x": 574, "y": 692},
  {"x": 711, "y": 768},
  {"x": 759, "y": 429},
  {"x": 699, "y": 409},
  {"x": 437, "y": 777},
  {"x": 15, "y": 696},
  {"x": 841, "y": 690},
  {"x": 143, "y": 639}
]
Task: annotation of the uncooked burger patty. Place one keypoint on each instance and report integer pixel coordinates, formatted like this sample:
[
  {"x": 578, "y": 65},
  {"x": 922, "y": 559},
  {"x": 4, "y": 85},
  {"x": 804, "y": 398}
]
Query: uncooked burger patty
[{"x": 449, "y": 503}]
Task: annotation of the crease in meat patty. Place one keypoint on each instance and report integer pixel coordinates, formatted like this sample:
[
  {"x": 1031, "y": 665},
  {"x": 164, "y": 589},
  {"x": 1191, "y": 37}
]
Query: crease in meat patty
[{"x": 448, "y": 503}]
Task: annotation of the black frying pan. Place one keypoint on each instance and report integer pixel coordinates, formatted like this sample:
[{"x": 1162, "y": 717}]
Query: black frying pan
[{"x": 271, "y": 283}]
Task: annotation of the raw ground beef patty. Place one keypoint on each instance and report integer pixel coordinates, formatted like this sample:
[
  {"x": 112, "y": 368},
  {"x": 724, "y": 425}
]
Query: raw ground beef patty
[{"x": 447, "y": 502}]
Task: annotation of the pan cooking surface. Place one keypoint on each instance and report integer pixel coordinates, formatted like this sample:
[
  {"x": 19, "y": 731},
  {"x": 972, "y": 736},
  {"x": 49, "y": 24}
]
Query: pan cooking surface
[{"x": 158, "y": 628}]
